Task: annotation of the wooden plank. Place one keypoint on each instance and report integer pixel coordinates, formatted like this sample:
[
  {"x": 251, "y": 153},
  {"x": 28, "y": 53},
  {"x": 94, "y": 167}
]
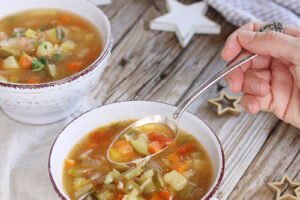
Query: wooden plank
[
  {"x": 123, "y": 15},
  {"x": 280, "y": 155},
  {"x": 152, "y": 59}
]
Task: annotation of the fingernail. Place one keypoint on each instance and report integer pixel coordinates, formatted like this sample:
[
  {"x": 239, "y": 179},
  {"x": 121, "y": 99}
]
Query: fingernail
[{"x": 246, "y": 36}]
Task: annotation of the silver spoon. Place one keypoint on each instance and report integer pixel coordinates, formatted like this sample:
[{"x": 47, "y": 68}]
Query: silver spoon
[{"x": 241, "y": 58}]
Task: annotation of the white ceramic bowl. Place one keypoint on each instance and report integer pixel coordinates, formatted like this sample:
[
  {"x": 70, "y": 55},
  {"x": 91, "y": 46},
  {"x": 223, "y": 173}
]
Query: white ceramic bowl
[
  {"x": 78, "y": 128},
  {"x": 50, "y": 102}
]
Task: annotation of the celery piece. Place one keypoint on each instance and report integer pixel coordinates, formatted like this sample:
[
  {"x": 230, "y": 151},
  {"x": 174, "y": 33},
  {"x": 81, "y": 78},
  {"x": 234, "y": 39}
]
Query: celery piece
[
  {"x": 55, "y": 35},
  {"x": 175, "y": 180},
  {"x": 140, "y": 146},
  {"x": 150, "y": 187},
  {"x": 75, "y": 172},
  {"x": 79, "y": 182},
  {"x": 111, "y": 176},
  {"x": 84, "y": 190},
  {"x": 30, "y": 33},
  {"x": 105, "y": 195},
  {"x": 131, "y": 173},
  {"x": 158, "y": 179},
  {"x": 133, "y": 195},
  {"x": 68, "y": 45},
  {"x": 146, "y": 175},
  {"x": 130, "y": 185},
  {"x": 52, "y": 70},
  {"x": 10, "y": 63}
]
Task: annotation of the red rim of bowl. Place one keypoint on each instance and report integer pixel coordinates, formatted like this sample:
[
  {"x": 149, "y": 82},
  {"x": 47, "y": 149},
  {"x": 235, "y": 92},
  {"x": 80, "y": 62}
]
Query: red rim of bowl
[
  {"x": 208, "y": 196},
  {"x": 107, "y": 49}
]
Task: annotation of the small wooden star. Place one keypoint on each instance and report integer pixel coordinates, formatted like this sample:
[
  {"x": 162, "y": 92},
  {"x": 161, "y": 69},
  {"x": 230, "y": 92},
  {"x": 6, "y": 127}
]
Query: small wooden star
[
  {"x": 185, "y": 21},
  {"x": 277, "y": 187},
  {"x": 226, "y": 104}
]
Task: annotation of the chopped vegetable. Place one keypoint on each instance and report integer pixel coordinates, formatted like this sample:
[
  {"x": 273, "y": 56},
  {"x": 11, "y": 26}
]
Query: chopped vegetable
[
  {"x": 147, "y": 174},
  {"x": 55, "y": 35},
  {"x": 154, "y": 147},
  {"x": 175, "y": 180},
  {"x": 84, "y": 190},
  {"x": 10, "y": 63},
  {"x": 186, "y": 148},
  {"x": 180, "y": 167},
  {"x": 25, "y": 61},
  {"x": 52, "y": 70},
  {"x": 37, "y": 65},
  {"x": 133, "y": 172},
  {"x": 68, "y": 46},
  {"x": 140, "y": 146},
  {"x": 30, "y": 33},
  {"x": 9, "y": 51},
  {"x": 75, "y": 66},
  {"x": 45, "y": 49},
  {"x": 105, "y": 195},
  {"x": 70, "y": 163}
]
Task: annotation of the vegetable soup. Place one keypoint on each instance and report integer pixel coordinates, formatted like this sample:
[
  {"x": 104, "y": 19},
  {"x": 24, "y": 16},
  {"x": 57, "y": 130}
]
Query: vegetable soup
[
  {"x": 40, "y": 46},
  {"x": 181, "y": 172}
]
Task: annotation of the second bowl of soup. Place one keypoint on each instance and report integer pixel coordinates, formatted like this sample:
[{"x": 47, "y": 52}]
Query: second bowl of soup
[
  {"x": 51, "y": 54},
  {"x": 190, "y": 168}
]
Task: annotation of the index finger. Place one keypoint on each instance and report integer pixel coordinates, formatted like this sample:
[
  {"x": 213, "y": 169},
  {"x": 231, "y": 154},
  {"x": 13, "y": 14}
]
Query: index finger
[{"x": 232, "y": 46}]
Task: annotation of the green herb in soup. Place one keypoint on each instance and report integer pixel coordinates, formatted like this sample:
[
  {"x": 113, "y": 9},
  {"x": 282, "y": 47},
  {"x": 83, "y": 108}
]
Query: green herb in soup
[
  {"x": 41, "y": 46},
  {"x": 181, "y": 172}
]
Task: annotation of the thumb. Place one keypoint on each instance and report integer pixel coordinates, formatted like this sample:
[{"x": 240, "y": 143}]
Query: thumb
[{"x": 274, "y": 44}]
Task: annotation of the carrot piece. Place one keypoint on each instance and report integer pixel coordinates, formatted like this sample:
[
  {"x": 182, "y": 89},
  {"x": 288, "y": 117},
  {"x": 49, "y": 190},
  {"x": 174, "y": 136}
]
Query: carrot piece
[
  {"x": 154, "y": 147},
  {"x": 25, "y": 61},
  {"x": 173, "y": 157},
  {"x": 186, "y": 149},
  {"x": 124, "y": 147},
  {"x": 166, "y": 195},
  {"x": 70, "y": 163},
  {"x": 33, "y": 81},
  {"x": 157, "y": 197},
  {"x": 119, "y": 197},
  {"x": 75, "y": 66},
  {"x": 64, "y": 19},
  {"x": 163, "y": 140},
  {"x": 180, "y": 166}
]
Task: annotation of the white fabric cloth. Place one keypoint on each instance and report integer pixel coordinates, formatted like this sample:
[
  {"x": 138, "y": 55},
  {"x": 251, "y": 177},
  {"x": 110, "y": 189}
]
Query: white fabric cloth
[
  {"x": 239, "y": 12},
  {"x": 24, "y": 151}
]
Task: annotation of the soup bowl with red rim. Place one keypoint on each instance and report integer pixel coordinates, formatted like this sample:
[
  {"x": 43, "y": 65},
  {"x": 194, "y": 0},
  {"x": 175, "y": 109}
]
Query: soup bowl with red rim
[
  {"x": 52, "y": 101},
  {"x": 74, "y": 132}
]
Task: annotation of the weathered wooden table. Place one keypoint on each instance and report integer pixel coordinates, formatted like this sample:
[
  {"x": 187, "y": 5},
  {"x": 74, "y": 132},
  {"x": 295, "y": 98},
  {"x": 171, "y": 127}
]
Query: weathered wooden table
[{"x": 151, "y": 65}]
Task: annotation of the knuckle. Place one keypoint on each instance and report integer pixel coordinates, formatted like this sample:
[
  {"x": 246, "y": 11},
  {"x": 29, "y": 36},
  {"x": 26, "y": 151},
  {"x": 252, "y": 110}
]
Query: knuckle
[{"x": 271, "y": 36}]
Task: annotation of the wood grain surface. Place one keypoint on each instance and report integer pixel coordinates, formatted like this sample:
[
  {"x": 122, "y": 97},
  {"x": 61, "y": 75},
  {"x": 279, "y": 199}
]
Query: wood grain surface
[{"x": 151, "y": 65}]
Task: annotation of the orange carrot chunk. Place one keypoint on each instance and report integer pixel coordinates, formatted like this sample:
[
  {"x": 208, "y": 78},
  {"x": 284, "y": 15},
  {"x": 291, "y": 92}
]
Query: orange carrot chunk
[
  {"x": 25, "y": 61},
  {"x": 165, "y": 195},
  {"x": 154, "y": 147},
  {"x": 186, "y": 149},
  {"x": 75, "y": 66}
]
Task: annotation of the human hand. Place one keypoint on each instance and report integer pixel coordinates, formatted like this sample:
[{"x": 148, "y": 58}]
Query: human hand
[{"x": 271, "y": 81}]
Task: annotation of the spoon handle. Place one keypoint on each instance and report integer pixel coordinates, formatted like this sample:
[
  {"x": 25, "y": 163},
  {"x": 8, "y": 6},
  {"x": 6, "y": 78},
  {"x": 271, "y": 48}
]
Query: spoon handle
[
  {"x": 243, "y": 57},
  {"x": 240, "y": 59}
]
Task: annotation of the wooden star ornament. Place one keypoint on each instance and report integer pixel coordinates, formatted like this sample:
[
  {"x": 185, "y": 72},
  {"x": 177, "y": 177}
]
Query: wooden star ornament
[
  {"x": 226, "y": 104},
  {"x": 277, "y": 187},
  {"x": 185, "y": 21}
]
